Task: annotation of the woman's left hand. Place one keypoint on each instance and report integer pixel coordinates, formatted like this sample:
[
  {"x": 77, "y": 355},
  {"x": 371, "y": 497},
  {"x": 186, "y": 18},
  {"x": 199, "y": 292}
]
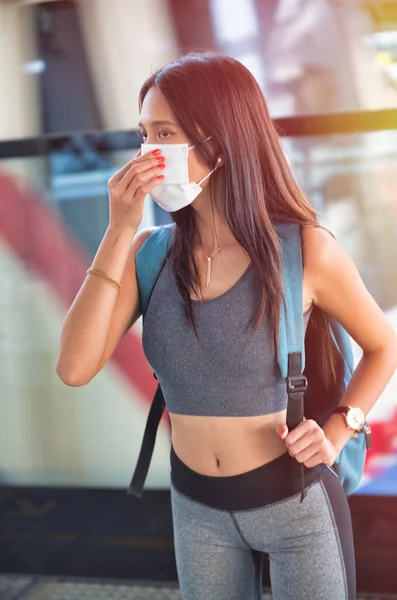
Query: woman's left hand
[{"x": 308, "y": 443}]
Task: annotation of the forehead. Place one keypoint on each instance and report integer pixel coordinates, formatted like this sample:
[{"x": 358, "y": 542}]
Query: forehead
[{"x": 155, "y": 107}]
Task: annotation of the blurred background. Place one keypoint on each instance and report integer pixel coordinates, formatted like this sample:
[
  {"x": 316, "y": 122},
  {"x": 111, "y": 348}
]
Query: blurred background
[{"x": 70, "y": 72}]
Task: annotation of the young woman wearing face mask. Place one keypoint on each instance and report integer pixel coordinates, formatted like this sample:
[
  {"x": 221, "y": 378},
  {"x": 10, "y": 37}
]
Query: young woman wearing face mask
[{"x": 235, "y": 474}]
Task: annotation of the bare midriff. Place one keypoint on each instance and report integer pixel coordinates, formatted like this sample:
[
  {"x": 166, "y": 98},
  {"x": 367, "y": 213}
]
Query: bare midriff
[{"x": 224, "y": 446}]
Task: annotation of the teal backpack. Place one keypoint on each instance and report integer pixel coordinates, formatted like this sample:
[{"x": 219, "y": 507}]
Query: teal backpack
[{"x": 306, "y": 393}]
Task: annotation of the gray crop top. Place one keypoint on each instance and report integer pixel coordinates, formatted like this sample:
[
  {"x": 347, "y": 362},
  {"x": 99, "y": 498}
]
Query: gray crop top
[{"x": 232, "y": 372}]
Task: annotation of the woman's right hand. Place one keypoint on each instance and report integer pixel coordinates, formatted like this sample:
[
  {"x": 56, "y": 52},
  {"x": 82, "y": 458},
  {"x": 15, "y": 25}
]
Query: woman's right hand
[{"x": 129, "y": 187}]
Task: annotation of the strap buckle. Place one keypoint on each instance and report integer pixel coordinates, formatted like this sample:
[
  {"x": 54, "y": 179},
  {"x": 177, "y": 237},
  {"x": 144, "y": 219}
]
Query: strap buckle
[
  {"x": 296, "y": 383},
  {"x": 368, "y": 436}
]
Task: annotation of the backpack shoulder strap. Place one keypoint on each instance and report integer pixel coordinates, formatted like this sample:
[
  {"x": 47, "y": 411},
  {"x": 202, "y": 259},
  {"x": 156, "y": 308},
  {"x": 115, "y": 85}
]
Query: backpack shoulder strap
[
  {"x": 291, "y": 337},
  {"x": 291, "y": 347},
  {"x": 149, "y": 261}
]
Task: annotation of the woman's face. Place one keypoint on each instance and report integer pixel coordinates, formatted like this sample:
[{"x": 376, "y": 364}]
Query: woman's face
[{"x": 158, "y": 125}]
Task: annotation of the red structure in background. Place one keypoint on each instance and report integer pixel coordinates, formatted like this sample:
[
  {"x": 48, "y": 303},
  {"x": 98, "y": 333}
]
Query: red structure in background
[
  {"x": 384, "y": 435},
  {"x": 34, "y": 234}
]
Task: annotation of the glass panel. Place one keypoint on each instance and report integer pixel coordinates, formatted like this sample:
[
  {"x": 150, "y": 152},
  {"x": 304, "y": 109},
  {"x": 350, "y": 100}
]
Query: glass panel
[{"x": 54, "y": 213}]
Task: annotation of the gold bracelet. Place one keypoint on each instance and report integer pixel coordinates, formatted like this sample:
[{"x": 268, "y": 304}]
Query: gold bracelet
[{"x": 102, "y": 274}]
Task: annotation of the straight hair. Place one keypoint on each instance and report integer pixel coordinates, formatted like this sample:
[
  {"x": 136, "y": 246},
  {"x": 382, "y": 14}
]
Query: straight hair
[{"x": 255, "y": 190}]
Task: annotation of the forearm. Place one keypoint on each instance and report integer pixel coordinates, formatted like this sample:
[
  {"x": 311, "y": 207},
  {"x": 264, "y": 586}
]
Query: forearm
[
  {"x": 369, "y": 380},
  {"x": 85, "y": 329}
]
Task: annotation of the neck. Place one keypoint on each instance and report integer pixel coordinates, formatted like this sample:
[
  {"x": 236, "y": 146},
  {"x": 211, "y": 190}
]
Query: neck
[{"x": 212, "y": 229}]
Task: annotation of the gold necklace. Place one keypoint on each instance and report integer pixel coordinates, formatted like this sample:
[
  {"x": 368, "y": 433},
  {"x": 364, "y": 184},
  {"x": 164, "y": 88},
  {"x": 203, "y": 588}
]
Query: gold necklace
[{"x": 209, "y": 259}]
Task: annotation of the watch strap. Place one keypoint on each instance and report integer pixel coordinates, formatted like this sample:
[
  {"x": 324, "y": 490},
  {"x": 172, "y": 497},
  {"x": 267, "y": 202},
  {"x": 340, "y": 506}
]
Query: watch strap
[{"x": 344, "y": 410}]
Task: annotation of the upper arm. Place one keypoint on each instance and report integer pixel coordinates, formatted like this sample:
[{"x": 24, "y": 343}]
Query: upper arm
[
  {"x": 338, "y": 289},
  {"x": 127, "y": 309}
]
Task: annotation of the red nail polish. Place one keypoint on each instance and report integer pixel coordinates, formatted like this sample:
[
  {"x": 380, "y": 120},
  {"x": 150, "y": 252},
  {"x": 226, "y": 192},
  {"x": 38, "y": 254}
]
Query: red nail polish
[
  {"x": 160, "y": 176},
  {"x": 155, "y": 152},
  {"x": 161, "y": 166}
]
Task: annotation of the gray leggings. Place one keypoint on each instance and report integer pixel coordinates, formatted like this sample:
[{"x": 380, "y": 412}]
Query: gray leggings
[{"x": 309, "y": 545}]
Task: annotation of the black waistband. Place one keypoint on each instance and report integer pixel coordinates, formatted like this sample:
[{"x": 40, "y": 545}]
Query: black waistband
[{"x": 271, "y": 482}]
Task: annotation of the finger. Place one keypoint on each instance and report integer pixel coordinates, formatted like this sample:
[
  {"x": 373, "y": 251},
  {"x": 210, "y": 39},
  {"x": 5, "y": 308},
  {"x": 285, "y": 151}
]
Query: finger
[
  {"x": 282, "y": 431},
  {"x": 307, "y": 453},
  {"x": 141, "y": 174},
  {"x": 314, "y": 460},
  {"x": 297, "y": 432},
  {"x": 309, "y": 437},
  {"x": 146, "y": 188},
  {"x": 136, "y": 160}
]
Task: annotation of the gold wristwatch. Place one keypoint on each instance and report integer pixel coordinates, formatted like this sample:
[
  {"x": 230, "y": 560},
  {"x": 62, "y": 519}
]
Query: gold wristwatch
[{"x": 355, "y": 420}]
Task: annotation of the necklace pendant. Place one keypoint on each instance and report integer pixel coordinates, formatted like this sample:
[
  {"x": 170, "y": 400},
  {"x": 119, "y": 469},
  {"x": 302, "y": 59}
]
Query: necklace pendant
[{"x": 209, "y": 260}]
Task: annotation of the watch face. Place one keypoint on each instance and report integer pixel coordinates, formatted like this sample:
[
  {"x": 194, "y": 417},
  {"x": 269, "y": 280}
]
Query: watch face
[{"x": 355, "y": 418}]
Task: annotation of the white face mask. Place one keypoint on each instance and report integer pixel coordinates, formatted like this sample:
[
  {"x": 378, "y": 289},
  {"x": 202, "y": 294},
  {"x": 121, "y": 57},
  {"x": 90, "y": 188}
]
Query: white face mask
[{"x": 175, "y": 191}]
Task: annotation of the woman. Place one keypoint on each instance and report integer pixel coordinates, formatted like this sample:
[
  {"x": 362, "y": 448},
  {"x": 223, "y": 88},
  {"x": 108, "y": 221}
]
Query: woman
[{"x": 235, "y": 470}]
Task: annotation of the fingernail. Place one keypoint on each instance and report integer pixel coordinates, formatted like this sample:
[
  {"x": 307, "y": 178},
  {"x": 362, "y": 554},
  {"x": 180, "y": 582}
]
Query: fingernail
[
  {"x": 160, "y": 176},
  {"x": 161, "y": 166},
  {"x": 160, "y": 159},
  {"x": 155, "y": 152}
]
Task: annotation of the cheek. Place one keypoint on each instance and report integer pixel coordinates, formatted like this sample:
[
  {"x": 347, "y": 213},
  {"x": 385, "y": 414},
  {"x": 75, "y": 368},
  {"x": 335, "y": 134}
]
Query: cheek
[{"x": 197, "y": 168}]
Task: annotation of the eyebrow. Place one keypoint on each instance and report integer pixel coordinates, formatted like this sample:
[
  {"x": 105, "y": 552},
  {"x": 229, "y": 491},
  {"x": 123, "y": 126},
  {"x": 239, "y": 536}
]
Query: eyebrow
[{"x": 158, "y": 123}]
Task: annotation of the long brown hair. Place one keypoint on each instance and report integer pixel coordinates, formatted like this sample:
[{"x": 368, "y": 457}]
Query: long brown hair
[{"x": 255, "y": 189}]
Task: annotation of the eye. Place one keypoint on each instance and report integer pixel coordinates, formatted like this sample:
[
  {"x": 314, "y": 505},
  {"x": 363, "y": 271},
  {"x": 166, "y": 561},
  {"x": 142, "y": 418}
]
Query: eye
[{"x": 167, "y": 133}]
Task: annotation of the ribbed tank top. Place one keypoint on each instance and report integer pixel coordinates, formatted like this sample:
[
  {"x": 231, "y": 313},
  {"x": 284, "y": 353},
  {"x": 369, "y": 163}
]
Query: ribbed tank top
[{"x": 229, "y": 371}]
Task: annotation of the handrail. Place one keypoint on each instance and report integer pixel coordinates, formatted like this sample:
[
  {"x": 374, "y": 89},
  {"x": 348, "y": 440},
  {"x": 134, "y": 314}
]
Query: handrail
[{"x": 116, "y": 140}]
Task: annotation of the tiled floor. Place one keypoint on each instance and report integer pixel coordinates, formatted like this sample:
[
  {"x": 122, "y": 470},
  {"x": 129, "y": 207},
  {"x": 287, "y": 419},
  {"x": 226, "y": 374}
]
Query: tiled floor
[{"x": 20, "y": 587}]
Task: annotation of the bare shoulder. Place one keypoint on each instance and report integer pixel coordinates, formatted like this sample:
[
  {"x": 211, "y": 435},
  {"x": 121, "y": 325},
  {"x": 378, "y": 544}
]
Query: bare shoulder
[
  {"x": 318, "y": 245},
  {"x": 142, "y": 235},
  {"x": 139, "y": 239},
  {"x": 325, "y": 262}
]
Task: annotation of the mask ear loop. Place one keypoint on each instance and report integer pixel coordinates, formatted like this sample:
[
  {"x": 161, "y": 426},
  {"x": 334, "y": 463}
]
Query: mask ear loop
[
  {"x": 219, "y": 160},
  {"x": 194, "y": 145}
]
